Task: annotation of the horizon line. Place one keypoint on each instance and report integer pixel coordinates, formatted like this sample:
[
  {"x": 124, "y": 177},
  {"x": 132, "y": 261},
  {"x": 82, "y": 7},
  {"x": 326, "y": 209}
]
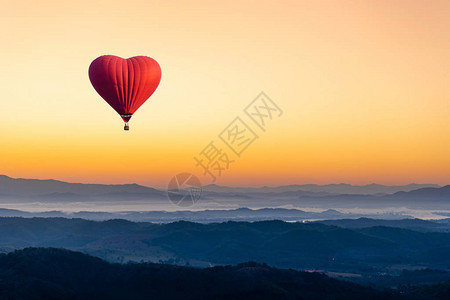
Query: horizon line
[{"x": 228, "y": 186}]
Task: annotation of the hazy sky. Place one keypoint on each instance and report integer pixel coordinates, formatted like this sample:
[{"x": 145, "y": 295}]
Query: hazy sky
[{"x": 364, "y": 87}]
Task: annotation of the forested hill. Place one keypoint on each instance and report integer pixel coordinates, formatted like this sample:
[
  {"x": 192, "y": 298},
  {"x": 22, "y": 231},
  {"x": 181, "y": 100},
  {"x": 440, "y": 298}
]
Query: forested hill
[
  {"x": 50, "y": 273},
  {"x": 285, "y": 245}
]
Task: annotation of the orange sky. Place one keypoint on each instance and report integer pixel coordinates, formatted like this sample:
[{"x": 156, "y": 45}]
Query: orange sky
[{"x": 363, "y": 85}]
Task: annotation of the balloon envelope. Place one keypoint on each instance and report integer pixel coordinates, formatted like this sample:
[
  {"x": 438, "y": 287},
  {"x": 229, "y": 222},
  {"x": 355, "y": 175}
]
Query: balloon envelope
[{"x": 125, "y": 83}]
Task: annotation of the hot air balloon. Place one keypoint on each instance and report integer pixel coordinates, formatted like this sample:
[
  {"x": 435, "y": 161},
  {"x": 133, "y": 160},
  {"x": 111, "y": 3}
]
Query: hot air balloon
[{"x": 125, "y": 84}]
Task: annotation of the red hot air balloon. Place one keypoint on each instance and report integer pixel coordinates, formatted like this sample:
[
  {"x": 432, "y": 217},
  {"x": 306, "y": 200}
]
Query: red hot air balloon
[{"x": 125, "y": 83}]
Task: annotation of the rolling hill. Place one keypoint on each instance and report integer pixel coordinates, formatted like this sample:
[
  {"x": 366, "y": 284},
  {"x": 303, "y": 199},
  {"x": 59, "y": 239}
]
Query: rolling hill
[{"x": 40, "y": 273}]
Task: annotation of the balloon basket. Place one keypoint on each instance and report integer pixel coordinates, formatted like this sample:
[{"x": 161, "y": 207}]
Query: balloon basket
[{"x": 126, "y": 127}]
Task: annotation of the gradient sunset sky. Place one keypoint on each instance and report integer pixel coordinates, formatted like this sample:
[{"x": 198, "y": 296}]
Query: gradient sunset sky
[{"x": 364, "y": 87}]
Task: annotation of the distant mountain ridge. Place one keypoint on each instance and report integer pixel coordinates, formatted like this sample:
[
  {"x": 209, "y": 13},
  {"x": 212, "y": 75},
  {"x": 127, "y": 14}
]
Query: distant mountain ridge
[
  {"x": 341, "y": 188},
  {"x": 201, "y": 216},
  {"x": 54, "y": 193},
  {"x": 423, "y": 192},
  {"x": 35, "y": 187}
]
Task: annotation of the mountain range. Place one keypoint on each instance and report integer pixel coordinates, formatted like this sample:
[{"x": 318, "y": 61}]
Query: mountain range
[
  {"x": 35, "y": 187},
  {"x": 134, "y": 197},
  {"x": 342, "y": 188},
  {"x": 49, "y": 273},
  {"x": 356, "y": 246},
  {"x": 203, "y": 216}
]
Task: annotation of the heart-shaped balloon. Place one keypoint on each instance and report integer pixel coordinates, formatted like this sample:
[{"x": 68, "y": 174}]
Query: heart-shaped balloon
[{"x": 125, "y": 83}]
